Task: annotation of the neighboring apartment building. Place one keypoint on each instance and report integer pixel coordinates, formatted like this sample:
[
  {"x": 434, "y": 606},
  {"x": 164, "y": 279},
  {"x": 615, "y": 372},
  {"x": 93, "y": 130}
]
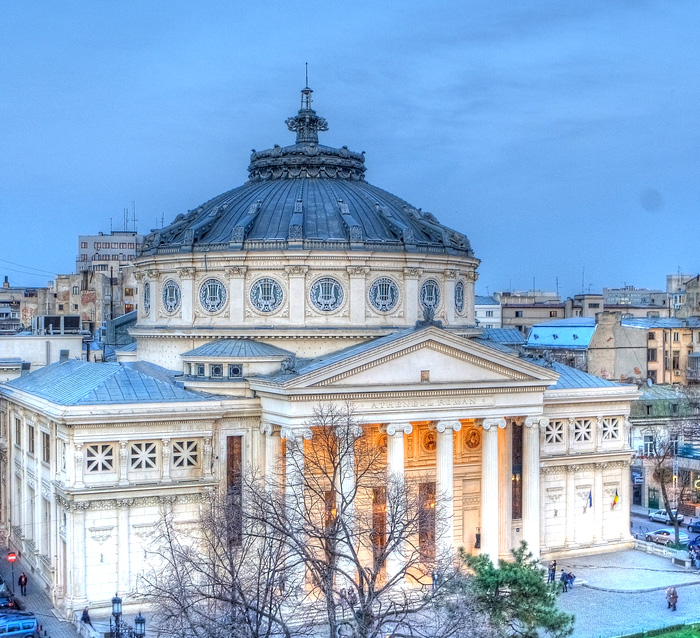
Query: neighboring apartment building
[
  {"x": 670, "y": 342},
  {"x": 101, "y": 252},
  {"x": 487, "y": 311},
  {"x": 691, "y": 305},
  {"x": 19, "y": 305},
  {"x": 631, "y": 296},
  {"x": 524, "y": 309}
]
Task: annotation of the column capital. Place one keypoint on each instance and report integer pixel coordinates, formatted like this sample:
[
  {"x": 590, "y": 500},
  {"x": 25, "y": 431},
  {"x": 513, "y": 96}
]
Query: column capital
[
  {"x": 396, "y": 428},
  {"x": 442, "y": 426},
  {"x": 296, "y": 271},
  {"x": 185, "y": 273},
  {"x": 296, "y": 435},
  {"x": 487, "y": 424},
  {"x": 235, "y": 271},
  {"x": 412, "y": 273},
  {"x": 536, "y": 421},
  {"x": 358, "y": 271},
  {"x": 355, "y": 431},
  {"x": 266, "y": 427}
]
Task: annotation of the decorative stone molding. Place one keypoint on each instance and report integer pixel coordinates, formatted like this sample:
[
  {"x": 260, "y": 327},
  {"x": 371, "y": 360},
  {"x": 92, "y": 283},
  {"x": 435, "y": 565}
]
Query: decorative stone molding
[
  {"x": 185, "y": 273},
  {"x": 296, "y": 271},
  {"x": 296, "y": 435},
  {"x": 153, "y": 274},
  {"x": 144, "y": 530},
  {"x": 46, "y": 489},
  {"x": 101, "y": 534},
  {"x": 555, "y": 469},
  {"x": 62, "y": 502},
  {"x": 235, "y": 271},
  {"x": 610, "y": 488},
  {"x": 124, "y": 502},
  {"x": 582, "y": 491},
  {"x": 104, "y": 504},
  {"x": 166, "y": 460},
  {"x": 471, "y": 276},
  {"x": 412, "y": 273},
  {"x": 123, "y": 462},
  {"x": 554, "y": 494},
  {"x": 397, "y": 428},
  {"x": 358, "y": 271},
  {"x": 207, "y": 458},
  {"x": 138, "y": 275},
  {"x": 536, "y": 421},
  {"x": 266, "y": 428},
  {"x": 449, "y": 274},
  {"x": 487, "y": 424},
  {"x": 80, "y": 506}
]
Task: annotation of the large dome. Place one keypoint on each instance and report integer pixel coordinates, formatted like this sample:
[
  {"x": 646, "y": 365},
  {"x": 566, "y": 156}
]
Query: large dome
[{"x": 308, "y": 196}]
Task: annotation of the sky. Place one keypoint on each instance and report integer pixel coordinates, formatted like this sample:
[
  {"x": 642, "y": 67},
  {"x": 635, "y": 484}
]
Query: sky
[{"x": 560, "y": 136}]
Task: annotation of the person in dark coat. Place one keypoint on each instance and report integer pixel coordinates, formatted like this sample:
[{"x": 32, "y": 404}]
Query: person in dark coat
[
  {"x": 564, "y": 578},
  {"x": 671, "y": 598},
  {"x": 22, "y": 582},
  {"x": 552, "y": 571},
  {"x": 86, "y": 617}
]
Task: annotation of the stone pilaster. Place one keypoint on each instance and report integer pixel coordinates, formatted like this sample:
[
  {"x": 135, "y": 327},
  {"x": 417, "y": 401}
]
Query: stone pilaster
[
  {"x": 358, "y": 293},
  {"x": 297, "y": 293},
  {"x": 236, "y": 286},
  {"x": 531, "y": 478},
  {"x": 411, "y": 277}
]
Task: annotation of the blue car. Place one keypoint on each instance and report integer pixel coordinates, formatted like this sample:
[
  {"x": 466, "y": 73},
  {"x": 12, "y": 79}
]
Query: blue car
[
  {"x": 695, "y": 543},
  {"x": 694, "y": 527}
]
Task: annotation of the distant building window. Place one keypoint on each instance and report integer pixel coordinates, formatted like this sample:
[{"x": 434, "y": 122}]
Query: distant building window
[
  {"x": 489, "y": 313},
  {"x": 235, "y": 370},
  {"x": 46, "y": 447},
  {"x": 651, "y": 374},
  {"x": 83, "y": 257},
  {"x": 552, "y": 313},
  {"x": 128, "y": 307},
  {"x": 648, "y": 409},
  {"x": 652, "y": 314},
  {"x": 129, "y": 292},
  {"x": 651, "y": 336},
  {"x": 75, "y": 306},
  {"x": 18, "y": 432},
  {"x": 676, "y": 364},
  {"x": 185, "y": 454},
  {"x": 200, "y": 369},
  {"x": 594, "y": 305},
  {"x": 122, "y": 246},
  {"x": 648, "y": 444},
  {"x": 115, "y": 244},
  {"x": 676, "y": 336},
  {"x": 76, "y": 290},
  {"x": 83, "y": 244},
  {"x": 674, "y": 408},
  {"x": 99, "y": 458},
  {"x": 60, "y": 306},
  {"x": 131, "y": 245},
  {"x": 217, "y": 370},
  {"x": 30, "y": 439},
  {"x": 651, "y": 354},
  {"x": 143, "y": 456},
  {"x": 518, "y": 313},
  {"x": 98, "y": 245}
]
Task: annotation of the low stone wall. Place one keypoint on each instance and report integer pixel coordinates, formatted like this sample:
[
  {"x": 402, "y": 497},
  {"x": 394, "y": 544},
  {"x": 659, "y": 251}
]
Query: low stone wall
[{"x": 676, "y": 556}]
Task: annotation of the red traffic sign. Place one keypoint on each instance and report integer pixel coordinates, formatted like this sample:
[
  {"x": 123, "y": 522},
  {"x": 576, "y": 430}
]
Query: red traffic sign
[{"x": 12, "y": 557}]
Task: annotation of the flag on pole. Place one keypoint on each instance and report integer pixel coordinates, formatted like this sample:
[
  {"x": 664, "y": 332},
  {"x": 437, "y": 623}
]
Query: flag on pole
[
  {"x": 590, "y": 498},
  {"x": 616, "y": 499}
]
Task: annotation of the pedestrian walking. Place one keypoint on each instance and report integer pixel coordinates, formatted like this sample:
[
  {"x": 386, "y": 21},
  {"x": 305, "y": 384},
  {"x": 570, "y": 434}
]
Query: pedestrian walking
[
  {"x": 86, "y": 617},
  {"x": 22, "y": 582},
  {"x": 564, "y": 578},
  {"x": 671, "y": 598},
  {"x": 552, "y": 571}
]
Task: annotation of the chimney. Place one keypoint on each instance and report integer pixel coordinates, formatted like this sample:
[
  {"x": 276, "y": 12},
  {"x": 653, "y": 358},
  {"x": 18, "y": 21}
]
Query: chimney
[
  {"x": 6, "y": 283},
  {"x": 63, "y": 357}
]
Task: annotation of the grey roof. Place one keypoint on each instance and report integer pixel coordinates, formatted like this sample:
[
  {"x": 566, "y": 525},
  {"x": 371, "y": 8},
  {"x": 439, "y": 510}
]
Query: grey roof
[
  {"x": 129, "y": 347},
  {"x": 660, "y": 392},
  {"x": 237, "y": 349},
  {"x": 497, "y": 345},
  {"x": 84, "y": 383},
  {"x": 482, "y": 300},
  {"x": 571, "y": 378},
  {"x": 307, "y": 195},
  {"x": 5, "y": 361},
  {"x": 647, "y": 323},
  {"x": 504, "y": 335}
]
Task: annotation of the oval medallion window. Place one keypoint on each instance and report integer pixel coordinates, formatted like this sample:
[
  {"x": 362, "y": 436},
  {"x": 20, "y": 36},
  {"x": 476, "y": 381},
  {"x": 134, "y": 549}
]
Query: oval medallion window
[
  {"x": 459, "y": 297},
  {"x": 266, "y": 295},
  {"x": 430, "y": 294},
  {"x": 327, "y": 294},
  {"x": 383, "y": 294},
  {"x": 146, "y": 298},
  {"x": 212, "y": 295},
  {"x": 171, "y": 296}
]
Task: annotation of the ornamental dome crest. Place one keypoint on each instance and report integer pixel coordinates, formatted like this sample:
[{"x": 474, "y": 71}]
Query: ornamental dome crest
[{"x": 307, "y": 196}]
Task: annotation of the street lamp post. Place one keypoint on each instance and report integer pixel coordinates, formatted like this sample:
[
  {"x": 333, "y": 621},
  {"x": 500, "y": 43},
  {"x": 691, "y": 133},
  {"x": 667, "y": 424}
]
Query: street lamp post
[{"x": 119, "y": 629}]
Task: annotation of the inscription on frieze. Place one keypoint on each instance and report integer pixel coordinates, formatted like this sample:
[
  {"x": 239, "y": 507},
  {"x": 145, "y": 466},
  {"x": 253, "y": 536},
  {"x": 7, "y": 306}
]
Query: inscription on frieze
[{"x": 428, "y": 402}]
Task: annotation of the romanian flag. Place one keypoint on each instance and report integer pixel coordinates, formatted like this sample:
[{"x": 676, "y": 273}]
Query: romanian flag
[{"x": 616, "y": 499}]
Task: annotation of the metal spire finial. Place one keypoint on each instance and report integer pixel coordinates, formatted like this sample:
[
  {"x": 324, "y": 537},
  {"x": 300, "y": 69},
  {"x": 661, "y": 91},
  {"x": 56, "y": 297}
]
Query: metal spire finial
[{"x": 306, "y": 123}]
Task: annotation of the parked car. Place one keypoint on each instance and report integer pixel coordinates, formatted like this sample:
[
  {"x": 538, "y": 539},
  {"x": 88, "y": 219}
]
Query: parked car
[
  {"x": 661, "y": 516},
  {"x": 694, "y": 527},
  {"x": 18, "y": 624},
  {"x": 695, "y": 543},
  {"x": 666, "y": 537},
  {"x": 7, "y": 599}
]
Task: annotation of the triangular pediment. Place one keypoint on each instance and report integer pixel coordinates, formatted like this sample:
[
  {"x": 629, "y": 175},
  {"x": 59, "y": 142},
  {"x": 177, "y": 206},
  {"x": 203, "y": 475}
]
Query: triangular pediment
[{"x": 428, "y": 357}]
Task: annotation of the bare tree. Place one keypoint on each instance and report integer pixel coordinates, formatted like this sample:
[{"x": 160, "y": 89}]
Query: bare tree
[
  {"x": 219, "y": 579},
  {"x": 362, "y": 548}
]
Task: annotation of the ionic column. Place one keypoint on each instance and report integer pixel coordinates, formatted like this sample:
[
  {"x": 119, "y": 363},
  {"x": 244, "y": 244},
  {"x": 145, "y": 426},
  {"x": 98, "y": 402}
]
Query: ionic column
[
  {"x": 166, "y": 461},
  {"x": 294, "y": 497},
  {"x": 273, "y": 452},
  {"x": 345, "y": 496},
  {"x": 489, "y": 488},
  {"x": 77, "y": 567},
  {"x": 358, "y": 275},
  {"x": 395, "y": 561},
  {"x": 297, "y": 293},
  {"x": 123, "y": 553},
  {"x": 570, "y": 536},
  {"x": 236, "y": 286},
  {"x": 598, "y": 501},
  {"x": 444, "y": 479},
  {"x": 188, "y": 298},
  {"x": 411, "y": 277},
  {"x": 531, "y": 482},
  {"x": 505, "y": 488},
  {"x": 123, "y": 463}
]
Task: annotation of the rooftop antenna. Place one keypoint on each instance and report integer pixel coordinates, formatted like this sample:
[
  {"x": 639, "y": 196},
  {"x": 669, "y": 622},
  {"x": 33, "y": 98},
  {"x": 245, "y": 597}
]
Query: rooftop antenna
[
  {"x": 306, "y": 64},
  {"x": 133, "y": 213},
  {"x": 110, "y": 224},
  {"x": 583, "y": 280},
  {"x": 556, "y": 279}
]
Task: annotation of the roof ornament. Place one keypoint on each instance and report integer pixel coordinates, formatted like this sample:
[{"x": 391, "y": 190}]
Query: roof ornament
[
  {"x": 306, "y": 123},
  {"x": 428, "y": 318}
]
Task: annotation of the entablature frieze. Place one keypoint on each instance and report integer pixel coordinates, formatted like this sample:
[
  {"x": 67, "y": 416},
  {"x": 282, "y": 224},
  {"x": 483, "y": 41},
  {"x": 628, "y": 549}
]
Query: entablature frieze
[
  {"x": 136, "y": 501},
  {"x": 573, "y": 468}
]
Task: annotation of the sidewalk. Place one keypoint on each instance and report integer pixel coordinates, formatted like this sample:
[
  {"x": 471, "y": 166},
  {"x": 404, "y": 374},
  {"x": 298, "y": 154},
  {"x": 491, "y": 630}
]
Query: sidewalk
[{"x": 37, "y": 601}]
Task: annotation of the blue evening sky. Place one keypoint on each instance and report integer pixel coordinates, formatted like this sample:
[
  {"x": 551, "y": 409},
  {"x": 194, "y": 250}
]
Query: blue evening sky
[{"x": 558, "y": 135}]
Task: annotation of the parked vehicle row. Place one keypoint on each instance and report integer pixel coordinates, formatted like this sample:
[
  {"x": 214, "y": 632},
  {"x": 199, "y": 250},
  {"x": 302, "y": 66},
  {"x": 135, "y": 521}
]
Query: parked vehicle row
[
  {"x": 666, "y": 537},
  {"x": 15, "y": 623}
]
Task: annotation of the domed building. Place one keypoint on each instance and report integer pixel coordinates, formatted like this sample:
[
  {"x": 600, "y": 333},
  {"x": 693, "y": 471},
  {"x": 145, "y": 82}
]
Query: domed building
[{"x": 307, "y": 285}]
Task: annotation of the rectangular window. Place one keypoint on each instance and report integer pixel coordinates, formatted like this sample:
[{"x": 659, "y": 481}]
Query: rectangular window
[
  {"x": 651, "y": 374},
  {"x": 115, "y": 244},
  {"x": 128, "y": 292},
  {"x": 128, "y": 307},
  {"x": 234, "y": 487},
  {"x": 554, "y": 432},
  {"x": 30, "y": 439},
  {"x": 60, "y": 306},
  {"x": 651, "y": 354},
  {"x": 131, "y": 245},
  {"x": 45, "y": 525},
  {"x": 83, "y": 244},
  {"x": 143, "y": 456},
  {"x": 648, "y": 409},
  {"x": 83, "y": 257},
  {"x": 594, "y": 305},
  {"x": 674, "y": 442},
  {"x": 552, "y": 313},
  {"x": 46, "y": 447},
  {"x": 200, "y": 369},
  {"x": 651, "y": 336},
  {"x": 99, "y": 458},
  {"x": 676, "y": 360},
  {"x": 676, "y": 336},
  {"x": 518, "y": 313},
  {"x": 76, "y": 290},
  {"x": 98, "y": 245},
  {"x": 235, "y": 370},
  {"x": 122, "y": 245},
  {"x": 611, "y": 428},
  {"x": 583, "y": 430},
  {"x": 18, "y": 432},
  {"x": 426, "y": 521},
  {"x": 489, "y": 313},
  {"x": 648, "y": 444},
  {"x": 216, "y": 370}
]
